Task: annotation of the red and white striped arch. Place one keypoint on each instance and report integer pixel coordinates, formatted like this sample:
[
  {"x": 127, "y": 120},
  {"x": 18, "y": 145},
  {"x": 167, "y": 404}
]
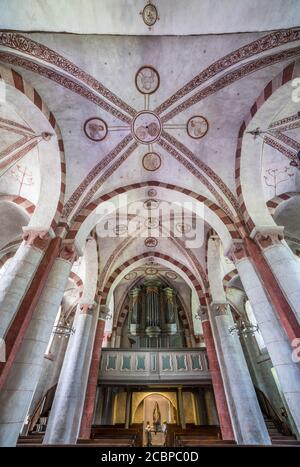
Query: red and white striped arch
[
  {"x": 288, "y": 73},
  {"x": 228, "y": 278},
  {"x": 14, "y": 79},
  {"x": 87, "y": 218},
  {"x": 120, "y": 316},
  {"x": 108, "y": 288},
  {"x": 23, "y": 203},
  {"x": 77, "y": 282},
  {"x": 278, "y": 200}
]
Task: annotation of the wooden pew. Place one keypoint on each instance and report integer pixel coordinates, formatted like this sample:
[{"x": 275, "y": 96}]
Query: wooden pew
[
  {"x": 203, "y": 434},
  {"x": 111, "y": 432},
  {"x": 196, "y": 441},
  {"x": 34, "y": 438},
  {"x": 109, "y": 441}
]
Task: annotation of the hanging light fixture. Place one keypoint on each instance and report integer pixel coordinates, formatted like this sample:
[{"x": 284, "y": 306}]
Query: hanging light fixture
[
  {"x": 63, "y": 330},
  {"x": 243, "y": 328}
]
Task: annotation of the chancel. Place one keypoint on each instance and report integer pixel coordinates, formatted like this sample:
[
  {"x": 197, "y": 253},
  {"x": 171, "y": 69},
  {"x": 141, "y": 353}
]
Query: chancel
[{"x": 150, "y": 233}]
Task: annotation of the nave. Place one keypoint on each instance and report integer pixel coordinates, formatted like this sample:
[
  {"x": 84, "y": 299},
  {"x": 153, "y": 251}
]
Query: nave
[{"x": 150, "y": 233}]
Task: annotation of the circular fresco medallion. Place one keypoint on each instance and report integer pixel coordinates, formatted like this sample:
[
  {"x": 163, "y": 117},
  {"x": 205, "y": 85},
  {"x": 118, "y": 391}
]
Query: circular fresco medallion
[
  {"x": 151, "y": 271},
  {"x": 197, "y": 127},
  {"x": 151, "y": 204},
  {"x": 183, "y": 228},
  {"x": 95, "y": 129},
  {"x": 150, "y": 15},
  {"x": 147, "y": 80},
  {"x": 152, "y": 193},
  {"x": 130, "y": 276},
  {"x": 146, "y": 127},
  {"x": 151, "y": 161},
  {"x": 151, "y": 242},
  {"x": 171, "y": 275}
]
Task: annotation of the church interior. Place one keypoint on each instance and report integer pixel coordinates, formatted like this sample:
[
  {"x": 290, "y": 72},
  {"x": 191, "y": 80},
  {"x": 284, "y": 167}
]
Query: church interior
[{"x": 150, "y": 229}]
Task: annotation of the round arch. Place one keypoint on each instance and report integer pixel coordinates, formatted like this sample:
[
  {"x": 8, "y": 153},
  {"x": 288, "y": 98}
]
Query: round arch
[
  {"x": 88, "y": 217},
  {"x": 21, "y": 202},
  {"x": 179, "y": 268},
  {"x": 275, "y": 93},
  {"x": 52, "y": 163},
  {"x": 280, "y": 200},
  {"x": 156, "y": 393},
  {"x": 120, "y": 317}
]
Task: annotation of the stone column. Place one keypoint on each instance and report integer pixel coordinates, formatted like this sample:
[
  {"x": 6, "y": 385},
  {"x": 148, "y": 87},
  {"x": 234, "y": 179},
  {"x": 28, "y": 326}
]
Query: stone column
[
  {"x": 57, "y": 361},
  {"x": 217, "y": 381},
  {"x": 19, "y": 325},
  {"x": 181, "y": 408},
  {"x": 283, "y": 263},
  {"x": 246, "y": 416},
  {"x": 91, "y": 390},
  {"x": 275, "y": 339},
  {"x": 128, "y": 408},
  {"x": 18, "y": 275},
  {"x": 200, "y": 401},
  {"x": 278, "y": 297},
  {"x": 17, "y": 392},
  {"x": 97, "y": 419},
  {"x": 210, "y": 405},
  {"x": 65, "y": 416},
  {"x": 52, "y": 364},
  {"x": 108, "y": 405}
]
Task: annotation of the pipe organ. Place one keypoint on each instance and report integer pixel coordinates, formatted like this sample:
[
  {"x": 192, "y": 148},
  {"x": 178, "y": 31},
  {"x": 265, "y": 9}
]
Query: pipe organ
[{"x": 153, "y": 317}]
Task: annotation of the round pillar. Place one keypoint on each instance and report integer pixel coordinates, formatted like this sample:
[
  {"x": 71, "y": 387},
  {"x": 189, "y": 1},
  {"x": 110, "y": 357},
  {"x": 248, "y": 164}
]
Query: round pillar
[
  {"x": 246, "y": 416},
  {"x": 19, "y": 387},
  {"x": 275, "y": 339},
  {"x": 283, "y": 263},
  {"x": 218, "y": 386},
  {"x": 91, "y": 390},
  {"x": 19, "y": 274},
  {"x": 65, "y": 416}
]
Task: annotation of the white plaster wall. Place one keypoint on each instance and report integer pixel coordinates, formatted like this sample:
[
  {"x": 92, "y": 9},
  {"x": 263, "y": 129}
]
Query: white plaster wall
[{"x": 122, "y": 16}]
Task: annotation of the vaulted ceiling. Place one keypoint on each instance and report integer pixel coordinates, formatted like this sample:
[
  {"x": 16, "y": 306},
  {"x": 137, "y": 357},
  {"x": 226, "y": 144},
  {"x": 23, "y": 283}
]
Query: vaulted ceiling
[{"x": 154, "y": 117}]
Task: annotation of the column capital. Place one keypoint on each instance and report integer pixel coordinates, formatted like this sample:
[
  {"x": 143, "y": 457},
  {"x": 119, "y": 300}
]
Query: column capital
[
  {"x": 199, "y": 338},
  {"x": 62, "y": 228},
  {"x": 203, "y": 314},
  {"x": 87, "y": 308},
  {"x": 38, "y": 238},
  {"x": 220, "y": 308},
  {"x": 68, "y": 252},
  {"x": 104, "y": 312},
  {"x": 238, "y": 251},
  {"x": 266, "y": 236}
]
